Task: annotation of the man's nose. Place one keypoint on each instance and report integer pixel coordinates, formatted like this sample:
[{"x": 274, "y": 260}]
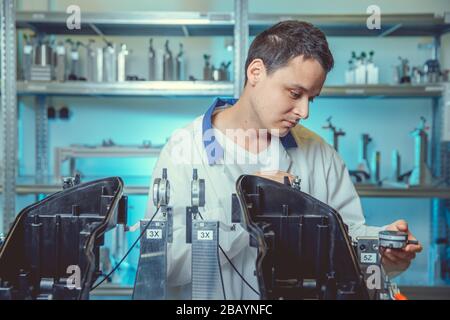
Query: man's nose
[{"x": 301, "y": 108}]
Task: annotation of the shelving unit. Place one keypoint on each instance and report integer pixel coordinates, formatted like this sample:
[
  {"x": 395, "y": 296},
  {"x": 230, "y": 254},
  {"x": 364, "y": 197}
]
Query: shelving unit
[
  {"x": 222, "y": 23},
  {"x": 240, "y": 24},
  {"x": 207, "y": 88}
]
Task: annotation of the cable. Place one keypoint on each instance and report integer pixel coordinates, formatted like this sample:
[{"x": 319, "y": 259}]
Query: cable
[
  {"x": 240, "y": 275},
  {"x": 235, "y": 269},
  {"x": 128, "y": 252},
  {"x": 221, "y": 277}
]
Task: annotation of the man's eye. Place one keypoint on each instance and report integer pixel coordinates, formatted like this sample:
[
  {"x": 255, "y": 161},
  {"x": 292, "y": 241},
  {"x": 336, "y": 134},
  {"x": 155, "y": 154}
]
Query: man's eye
[{"x": 295, "y": 95}]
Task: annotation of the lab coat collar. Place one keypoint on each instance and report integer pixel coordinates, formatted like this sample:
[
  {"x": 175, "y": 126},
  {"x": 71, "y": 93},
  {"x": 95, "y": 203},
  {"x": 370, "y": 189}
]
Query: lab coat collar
[{"x": 211, "y": 143}]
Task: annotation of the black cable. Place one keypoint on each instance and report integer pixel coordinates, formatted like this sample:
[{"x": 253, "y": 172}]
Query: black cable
[
  {"x": 240, "y": 275},
  {"x": 128, "y": 252},
  {"x": 221, "y": 277},
  {"x": 235, "y": 269}
]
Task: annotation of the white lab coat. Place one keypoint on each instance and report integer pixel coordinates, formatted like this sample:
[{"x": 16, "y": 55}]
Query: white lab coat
[{"x": 323, "y": 175}]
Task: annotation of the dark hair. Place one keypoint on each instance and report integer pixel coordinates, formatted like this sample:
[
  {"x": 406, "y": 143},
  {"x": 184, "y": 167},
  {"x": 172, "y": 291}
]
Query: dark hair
[{"x": 286, "y": 40}]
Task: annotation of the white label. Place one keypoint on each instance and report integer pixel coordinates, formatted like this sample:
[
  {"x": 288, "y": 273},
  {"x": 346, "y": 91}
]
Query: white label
[
  {"x": 60, "y": 50},
  {"x": 205, "y": 235},
  {"x": 154, "y": 234},
  {"x": 27, "y": 49},
  {"x": 368, "y": 258},
  {"x": 74, "y": 55}
]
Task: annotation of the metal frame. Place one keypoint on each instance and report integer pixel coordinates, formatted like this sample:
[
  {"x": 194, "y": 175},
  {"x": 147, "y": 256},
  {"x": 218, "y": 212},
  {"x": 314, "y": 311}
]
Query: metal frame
[
  {"x": 221, "y": 23},
  {"x": 439, "y": 257},
  {"x": 209, "y": 88},
  {"x": 363, "y": 191},
  {"x": 41, "y": 139},
  {"x": 74, "y": 152},
  {"x": 128, "y": 88},
  {"x": 8, "y": 110},
  {"x": 240, "y": 44}
]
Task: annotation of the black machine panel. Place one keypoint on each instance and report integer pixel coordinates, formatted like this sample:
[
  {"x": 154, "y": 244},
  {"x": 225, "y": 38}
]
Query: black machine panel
[
  {"x": 304, "y": 250},
  {"x": 53, "y": 238}
]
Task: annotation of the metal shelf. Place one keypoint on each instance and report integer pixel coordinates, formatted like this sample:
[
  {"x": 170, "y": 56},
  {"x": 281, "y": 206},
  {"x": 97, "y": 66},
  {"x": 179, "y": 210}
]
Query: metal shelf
[
  {"x": 363, "y": 191},
  {"x": 430, "y": 90},
  {"x": 116, "y": 291},
  {"x": 131, "y": 23},
  {"x": 412, "y": 192},
  {"x": 221, "y": 23},
  {"x": 209, "y": 88},
  {"x": 127, "y": 88},
  {"x": 355, "y": 25}
]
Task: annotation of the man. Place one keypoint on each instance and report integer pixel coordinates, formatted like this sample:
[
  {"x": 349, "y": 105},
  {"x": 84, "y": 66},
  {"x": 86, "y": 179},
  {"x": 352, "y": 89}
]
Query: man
[{"x": 259, "y": 134}]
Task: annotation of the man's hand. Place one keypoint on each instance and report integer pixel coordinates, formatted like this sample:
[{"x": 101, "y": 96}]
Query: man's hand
[
  {"x": 275, "y": 175},
  {"x": 397, "y": 260}
]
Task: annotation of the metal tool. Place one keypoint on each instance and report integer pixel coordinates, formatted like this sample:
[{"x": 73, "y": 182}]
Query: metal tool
[
  {"x": 396, "y": 166},
  {"x": 122, "y": 62},
  {"x": 432, "y": 71},
  {"x": 376, "y": 167},
  {"x": 109, "y": 63},
  {"x": 363, "y": 171},
  {"x": 41, "y": 70},
  {"x": 151, "y": 276},
  {"x": 43, "y": 55},
  {"x": 394, "y": 239},
  {"x": 296, "y": 184},
  {"x": 168, "y": 69},
  {"x": 369, "y": 262},
  {"x": 364, "y": 163},
  {"x": 224, "y": 72},
  {"x": 69, "y": 182},
  {"x": 27, "y": 57},
  {"x": 180, "y": 65},
  {"x": 207, "y": 69},
  {"x": 60, "y": 61},
  {"x": 335, "y": 133},
  {"x": 204, "y": 236},
  {"x": 74, "y": 63},
  {"x": 197, "y": 200},
  {"x": 421, "y": 174},
  {"x": 94, "y": 71},
  {"x": 151, "y": 62},
  {"x": 403, "y": 71}
]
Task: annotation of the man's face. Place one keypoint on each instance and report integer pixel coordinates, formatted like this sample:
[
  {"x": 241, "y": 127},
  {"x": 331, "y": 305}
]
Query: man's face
[{"x": 282, "y": 98}]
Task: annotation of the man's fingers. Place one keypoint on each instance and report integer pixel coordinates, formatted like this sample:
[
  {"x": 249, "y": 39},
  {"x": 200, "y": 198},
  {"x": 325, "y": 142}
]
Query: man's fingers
[
  {"x": 416, "y": 248},
  {"x": 402, "y": 225},
  {"x": 388, "y": 254},
  {"x": 403, "y": 255}
]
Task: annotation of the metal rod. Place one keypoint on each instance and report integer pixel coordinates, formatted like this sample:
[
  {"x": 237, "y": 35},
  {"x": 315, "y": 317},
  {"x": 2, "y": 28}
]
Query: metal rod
[
  {"x": 41, "y": 139},
  {"x": 241, "y": 33},
  {"x": 8, "y": 110}
]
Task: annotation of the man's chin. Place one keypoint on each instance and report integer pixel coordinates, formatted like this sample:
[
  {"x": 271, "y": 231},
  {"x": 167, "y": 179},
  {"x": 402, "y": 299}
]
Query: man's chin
[{"x": 279, "y": 132}]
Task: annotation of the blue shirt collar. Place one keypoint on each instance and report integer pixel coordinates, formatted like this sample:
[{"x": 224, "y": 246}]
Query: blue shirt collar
[{"x": 214, "y": 150}]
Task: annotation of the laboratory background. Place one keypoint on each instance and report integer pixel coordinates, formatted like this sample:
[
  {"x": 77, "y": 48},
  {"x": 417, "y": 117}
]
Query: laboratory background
[{"x": 100, "y": 97}]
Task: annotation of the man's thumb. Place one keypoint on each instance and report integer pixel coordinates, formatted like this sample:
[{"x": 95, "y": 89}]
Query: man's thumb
[{"x": 402, "y": 225}]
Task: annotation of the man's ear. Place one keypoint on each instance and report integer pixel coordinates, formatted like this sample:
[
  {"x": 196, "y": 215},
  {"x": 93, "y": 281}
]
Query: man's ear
[{"x": 255, "y": 71}]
